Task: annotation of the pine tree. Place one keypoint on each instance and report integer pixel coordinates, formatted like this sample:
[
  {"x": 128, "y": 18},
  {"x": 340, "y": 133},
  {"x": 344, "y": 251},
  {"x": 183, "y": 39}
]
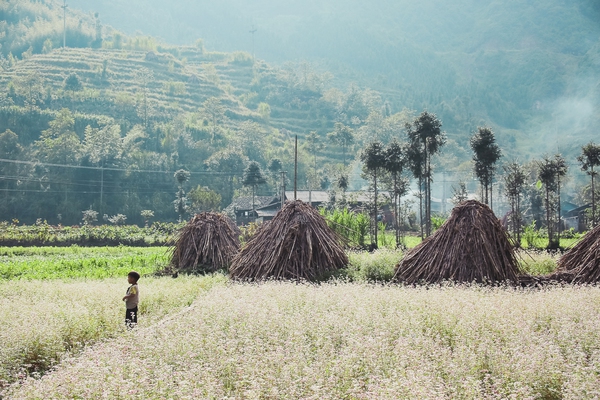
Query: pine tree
[{"x": 253, "y": 176}]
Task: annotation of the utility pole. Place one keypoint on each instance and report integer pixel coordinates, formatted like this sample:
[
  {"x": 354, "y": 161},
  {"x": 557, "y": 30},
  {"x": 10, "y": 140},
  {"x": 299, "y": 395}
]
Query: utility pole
[
  {"x": 252, "y": 31},
  {"x": 64, "y": 7},
  {"x": 296, "y": 169},
  {"x": 101, "y": 187}
]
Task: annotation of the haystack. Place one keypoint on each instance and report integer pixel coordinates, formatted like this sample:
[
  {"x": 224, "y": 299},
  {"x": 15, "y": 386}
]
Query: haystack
[
  {"x": 296, "y": 244},
  {"x": 206, "y": 244},
  {"x": 471, "y": 246},
  {"x": 581, "y": 264}
]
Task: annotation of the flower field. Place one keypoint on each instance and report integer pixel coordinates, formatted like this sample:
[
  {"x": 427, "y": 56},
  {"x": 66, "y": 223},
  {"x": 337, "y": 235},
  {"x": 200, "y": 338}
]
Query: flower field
[
  {"x": 62, "y": 333},
  {"x": 43, "y": 321},
  {"x": 343, "y": 340}
]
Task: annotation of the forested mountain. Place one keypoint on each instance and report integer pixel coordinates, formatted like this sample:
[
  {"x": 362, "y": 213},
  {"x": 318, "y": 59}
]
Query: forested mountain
[
  {"x": 122, "y": 108},
  {"x": 509, "y": 64}
]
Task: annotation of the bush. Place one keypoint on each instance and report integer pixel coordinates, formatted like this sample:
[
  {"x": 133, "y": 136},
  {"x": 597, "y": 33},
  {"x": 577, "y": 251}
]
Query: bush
[
  {"x": 378, "y": 266},
  {"x": 537, "y": 262},
  {"x": 241, "y": 58}
]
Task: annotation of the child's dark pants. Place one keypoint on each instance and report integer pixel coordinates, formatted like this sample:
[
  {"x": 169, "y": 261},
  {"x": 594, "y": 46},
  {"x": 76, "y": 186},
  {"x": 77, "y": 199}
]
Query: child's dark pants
[{"x": 131, "y": 317}]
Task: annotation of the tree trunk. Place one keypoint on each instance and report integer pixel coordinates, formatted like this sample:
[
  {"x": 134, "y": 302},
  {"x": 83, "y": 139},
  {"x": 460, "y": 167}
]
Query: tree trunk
[
  {"x": 513, "y": 222},
  {"x": 549, "y": 220},
  {"x": 491, "y": 191},
  {"x": 593, "y": 200},
  {"x": 518, "y": 217},
  {"x": 396, "y": 224},
  {"x": 375, "y": 203},
  {"x": 558, "y": 229},
  {"x": 421, "y": 206},
  {"x": 428, "y": 194}
]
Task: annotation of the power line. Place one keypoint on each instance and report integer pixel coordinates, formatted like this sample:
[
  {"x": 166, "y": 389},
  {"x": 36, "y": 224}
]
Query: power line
[
  {"x": 80, "y": 192},
  {"x": 36, "y": 163}
]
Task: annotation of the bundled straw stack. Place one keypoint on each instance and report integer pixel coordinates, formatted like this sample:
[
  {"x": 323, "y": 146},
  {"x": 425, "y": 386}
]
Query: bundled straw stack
[
  {"x": 581, "y": 264},
  {"x": 471, "y": 246},
  {"x": 206, "y": 244},
  {"x": 296, "y": 244}
]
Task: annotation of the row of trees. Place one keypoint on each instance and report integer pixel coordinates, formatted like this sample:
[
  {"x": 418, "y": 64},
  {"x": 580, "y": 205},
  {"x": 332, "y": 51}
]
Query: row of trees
[{"x": 424, "y": 139}]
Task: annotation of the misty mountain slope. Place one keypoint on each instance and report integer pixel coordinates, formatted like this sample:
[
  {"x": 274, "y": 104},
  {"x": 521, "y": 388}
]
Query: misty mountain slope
[{"x": 504, "y": 64}]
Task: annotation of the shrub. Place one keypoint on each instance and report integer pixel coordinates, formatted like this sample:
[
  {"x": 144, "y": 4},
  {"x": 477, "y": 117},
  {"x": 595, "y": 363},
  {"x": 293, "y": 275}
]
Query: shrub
[
  {"x": 378, "y": 266},
  {"x": 89, "y": 216}
]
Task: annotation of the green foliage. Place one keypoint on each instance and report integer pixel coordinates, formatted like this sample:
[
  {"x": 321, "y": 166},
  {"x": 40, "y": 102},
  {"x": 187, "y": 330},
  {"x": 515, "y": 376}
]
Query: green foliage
[
  {"x": 204, "y": 199},
  {"x": 174, "y": 88},
  {"x": 378, "y": 266},
  {"x": 537, "y": 263},
  {"x": 79, "y": 262},
  {"x": 486, "y": 153},
  {"x": 342, "y": 136},
  {"x": 531, "y": 235},
  {"x": 264, "y": 110},
  {"x": 147, "y": 214},
  {"x": 426, "y": 139},
  {"x": 241, "y": 58},
  {"x": 351, "y": 226},
  {"x": 590, "y": 158},
  {"x": 436, "y": 222},
  {"x": 253, "y": 175},
  {"x": 300, "y": 96},
  {"x": 89, "y": 217},
  {"x": 73, "y": 83},
  {"x": 43, "y": 234},
  {"x": 118, "y": 219}
]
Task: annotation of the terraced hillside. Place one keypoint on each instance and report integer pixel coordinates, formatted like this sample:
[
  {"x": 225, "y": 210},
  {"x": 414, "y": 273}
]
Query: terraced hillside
[
  {"x": 112, "y": 86},
  {"x": 109, "y": 81},
  {"x": 175, "y": 108}
]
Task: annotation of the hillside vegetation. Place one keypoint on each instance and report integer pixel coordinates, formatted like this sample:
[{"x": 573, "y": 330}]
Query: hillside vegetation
[
  {"x": 103, "y": 123},
  {"x": 506, "y": 63}
]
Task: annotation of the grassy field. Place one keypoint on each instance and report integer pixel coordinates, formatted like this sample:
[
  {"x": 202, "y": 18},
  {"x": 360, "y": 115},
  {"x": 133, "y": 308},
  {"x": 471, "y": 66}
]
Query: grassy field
[
  {"x": 79, "y": 262},
  {"x": 202, "y": 337},
  {"x": 41, "y": 321},
  {"x": 351, "y": 341}
]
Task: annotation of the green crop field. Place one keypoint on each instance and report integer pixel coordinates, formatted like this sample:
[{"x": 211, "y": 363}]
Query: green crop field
[{"x": 79, "y": 262}]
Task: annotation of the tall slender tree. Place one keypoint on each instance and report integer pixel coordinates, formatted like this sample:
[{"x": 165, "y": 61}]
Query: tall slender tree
[
  {"x": 514, "y": 181},
  {"x": 590, "y": 158},
  {"x": 181, "y": 176},
  {"x": 416, "y": 160},
  {"x": 485, "y": 155},
  {"x": 395, "y": 159},
  {"x": 313, "y": 146},
  {"x": 560, "y": 169},
  {"x": 551, "y": 171},
  {"x": 143, "y": 78},
  {"x": 426, "y": 139},
  {"x": 230, "y": 163},
  {"x": 253, "y": 176},
  {"x": 374, "y": 160},
  {"x": 343, "y": 136},
  {"x": 214, "y": 112}
]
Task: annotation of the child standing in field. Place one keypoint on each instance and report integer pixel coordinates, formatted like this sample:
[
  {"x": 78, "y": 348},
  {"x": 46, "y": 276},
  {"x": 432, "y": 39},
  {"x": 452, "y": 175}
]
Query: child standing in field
[{"x": 131, "y": 299}]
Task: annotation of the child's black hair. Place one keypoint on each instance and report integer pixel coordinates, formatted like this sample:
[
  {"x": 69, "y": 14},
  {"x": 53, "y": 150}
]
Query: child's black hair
[{"x": 134, "y": 275}]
